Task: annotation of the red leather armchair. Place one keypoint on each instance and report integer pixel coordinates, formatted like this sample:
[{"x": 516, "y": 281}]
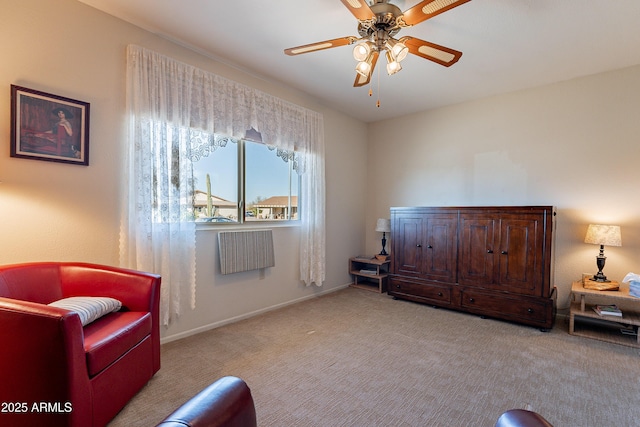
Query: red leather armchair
[{"x": 54, "y": 371}]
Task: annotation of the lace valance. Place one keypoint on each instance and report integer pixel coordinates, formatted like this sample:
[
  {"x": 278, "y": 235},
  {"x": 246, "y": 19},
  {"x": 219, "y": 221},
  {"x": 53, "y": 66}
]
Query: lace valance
[{"x": 191, "y": 97}]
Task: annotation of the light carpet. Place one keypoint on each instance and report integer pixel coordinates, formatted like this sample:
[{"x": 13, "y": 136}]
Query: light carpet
[{"x": 357, "y": 358}]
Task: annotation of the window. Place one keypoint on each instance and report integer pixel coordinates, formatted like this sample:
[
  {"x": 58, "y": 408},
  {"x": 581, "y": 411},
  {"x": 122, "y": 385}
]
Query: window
[{"x": 245, "y": 181}]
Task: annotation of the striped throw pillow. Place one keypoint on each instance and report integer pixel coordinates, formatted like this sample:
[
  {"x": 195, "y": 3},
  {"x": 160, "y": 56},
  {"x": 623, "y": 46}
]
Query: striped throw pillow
[{"x": 89, "y": 308}]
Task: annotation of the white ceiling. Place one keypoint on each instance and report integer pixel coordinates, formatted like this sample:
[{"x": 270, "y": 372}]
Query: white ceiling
[{"x": 507, "y": 45}]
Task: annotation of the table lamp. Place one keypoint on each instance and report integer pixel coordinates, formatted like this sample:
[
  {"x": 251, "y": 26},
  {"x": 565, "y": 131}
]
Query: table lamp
[
  {"x": 602, "y": 235},
  {"x": 383, "y": 225}
]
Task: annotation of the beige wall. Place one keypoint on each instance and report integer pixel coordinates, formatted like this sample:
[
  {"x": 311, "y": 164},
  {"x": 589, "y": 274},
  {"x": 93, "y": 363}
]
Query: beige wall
[
  {"x": 574, "y": 145},
  {"x": 52, "y": 211}
]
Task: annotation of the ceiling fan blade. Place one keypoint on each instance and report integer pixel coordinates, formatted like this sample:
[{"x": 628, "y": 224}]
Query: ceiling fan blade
[
  {"x": 431, "y": 51},
  {"x": 360, "y": 9},
  {"x": 327, "y": 44},
  {"x": 428, "y": 9},
  {"x": 362, "y": 80}
]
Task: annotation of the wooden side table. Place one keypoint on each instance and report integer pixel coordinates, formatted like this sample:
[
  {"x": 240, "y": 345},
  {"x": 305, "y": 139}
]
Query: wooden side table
[
  {"x": 608, "y": 328},
  {"x": 375, "y": 279}
]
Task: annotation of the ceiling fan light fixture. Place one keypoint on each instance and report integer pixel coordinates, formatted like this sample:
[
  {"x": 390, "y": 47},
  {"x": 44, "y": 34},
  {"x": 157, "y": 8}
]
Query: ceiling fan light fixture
[
  {"x": 393, "y": 66},
  {"x": 397, "y": 49},
  {"x": 361, "y": 51},
  {"x": 364, "y": 67}
]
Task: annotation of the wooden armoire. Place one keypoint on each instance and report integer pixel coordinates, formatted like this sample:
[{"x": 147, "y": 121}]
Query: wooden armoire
[{"x": 491, "y": 261}]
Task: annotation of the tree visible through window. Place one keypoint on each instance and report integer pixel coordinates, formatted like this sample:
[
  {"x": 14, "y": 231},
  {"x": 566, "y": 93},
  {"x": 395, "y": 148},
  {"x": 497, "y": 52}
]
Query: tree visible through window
[{"x": 244, "y": 181}]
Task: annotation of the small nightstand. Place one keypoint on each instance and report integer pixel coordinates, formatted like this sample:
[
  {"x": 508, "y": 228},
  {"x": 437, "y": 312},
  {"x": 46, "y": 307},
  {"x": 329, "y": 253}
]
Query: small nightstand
[
  {"x": 606, "y": 328},
  {"x": 370, "y": 281}
]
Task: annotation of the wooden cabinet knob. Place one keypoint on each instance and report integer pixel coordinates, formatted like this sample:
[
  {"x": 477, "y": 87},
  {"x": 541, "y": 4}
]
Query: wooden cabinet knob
[
  {"x": 504, "y": 252},
  {"x": 418, "y": 245},
  {"x": 489, "y": 251}
]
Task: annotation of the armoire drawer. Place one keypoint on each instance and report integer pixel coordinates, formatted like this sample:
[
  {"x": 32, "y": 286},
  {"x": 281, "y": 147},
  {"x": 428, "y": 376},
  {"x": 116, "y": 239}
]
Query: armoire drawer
[
  {"x": 504, "y": 306},
  {"x": 439, "y": 294}
]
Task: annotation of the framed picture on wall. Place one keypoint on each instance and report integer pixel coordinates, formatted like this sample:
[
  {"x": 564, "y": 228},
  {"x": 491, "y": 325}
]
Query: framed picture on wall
[{"x": 49, "y": 127}]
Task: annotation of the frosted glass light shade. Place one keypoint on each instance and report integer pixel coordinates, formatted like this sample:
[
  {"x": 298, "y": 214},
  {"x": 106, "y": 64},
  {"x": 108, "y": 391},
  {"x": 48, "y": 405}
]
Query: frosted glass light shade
[
  {"x": 399, "y": 51},
  {"x": 363, "y": 68},
  {"x": 393, "y": 66},
  {"x": 361, "y": 51}
]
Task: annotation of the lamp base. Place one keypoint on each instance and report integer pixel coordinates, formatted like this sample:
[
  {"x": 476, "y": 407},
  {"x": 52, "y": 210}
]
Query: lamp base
[
  {"x": 600, "y": 278},
  {"x": 600, "y": 260},
  {"x": 384, "y": 243}
]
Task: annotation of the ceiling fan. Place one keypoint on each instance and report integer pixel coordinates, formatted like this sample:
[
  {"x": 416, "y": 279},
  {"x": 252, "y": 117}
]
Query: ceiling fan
[{"x": 378, "y": 23}]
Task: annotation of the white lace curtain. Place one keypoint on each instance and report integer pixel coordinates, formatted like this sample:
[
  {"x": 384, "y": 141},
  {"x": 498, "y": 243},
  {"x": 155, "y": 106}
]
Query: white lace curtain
[{"x": 165, "y": 100}]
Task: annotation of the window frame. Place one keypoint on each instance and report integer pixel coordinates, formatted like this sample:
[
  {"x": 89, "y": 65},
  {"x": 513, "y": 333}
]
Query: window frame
[{"x": 242, "y": 201}]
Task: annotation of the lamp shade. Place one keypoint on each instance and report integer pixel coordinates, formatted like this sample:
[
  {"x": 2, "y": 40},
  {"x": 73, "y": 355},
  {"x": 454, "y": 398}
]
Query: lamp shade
[
  {"x": 383, "y": 225},
  {"x": 608, "y": 235}
]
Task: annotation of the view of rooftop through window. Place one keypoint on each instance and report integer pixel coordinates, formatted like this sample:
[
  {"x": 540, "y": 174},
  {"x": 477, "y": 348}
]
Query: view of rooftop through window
[{"x": 270, "y": 184}]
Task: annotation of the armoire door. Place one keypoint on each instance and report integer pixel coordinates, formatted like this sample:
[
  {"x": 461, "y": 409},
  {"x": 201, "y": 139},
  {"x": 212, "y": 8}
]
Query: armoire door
[
  {"x": 407, "y": 245},
  {"x": 520, "y": 254},
  {"x": 440, "y": 247},
  {"x": 477, "y": 247}
]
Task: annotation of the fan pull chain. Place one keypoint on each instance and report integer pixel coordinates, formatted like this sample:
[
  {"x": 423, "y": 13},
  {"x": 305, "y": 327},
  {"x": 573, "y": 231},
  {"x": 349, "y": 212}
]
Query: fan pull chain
[{"x": 378, "y": 102}]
